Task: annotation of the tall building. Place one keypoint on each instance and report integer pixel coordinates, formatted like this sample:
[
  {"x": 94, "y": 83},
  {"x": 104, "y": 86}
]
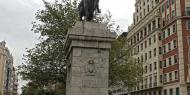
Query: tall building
[
  {"x": 2, "y": 66},
  {"x": 160, "y": 38},
  {"x": 15, "y": 82},
  {"x": 7, "y": 71}
]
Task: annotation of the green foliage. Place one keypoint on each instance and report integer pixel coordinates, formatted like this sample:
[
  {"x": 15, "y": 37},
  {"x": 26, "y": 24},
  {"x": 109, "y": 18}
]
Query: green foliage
[
  {"x": 33, "y": 89},
  {"x": 45, "y": 64},
  {"x": 124, "y": 70}
]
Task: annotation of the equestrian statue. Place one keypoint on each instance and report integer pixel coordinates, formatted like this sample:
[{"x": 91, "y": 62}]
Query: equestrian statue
[{"x": 87, "y": 8}]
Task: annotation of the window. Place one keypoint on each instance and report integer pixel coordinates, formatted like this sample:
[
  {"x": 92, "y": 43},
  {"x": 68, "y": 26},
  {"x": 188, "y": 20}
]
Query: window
[
  {"x": 168, "y": 3},
  {"x": 176, "y": 75},
  {"x": 188, "y": 89},
  {"x": 160, "y": 50},
  {"x": 155, "y": 79},
  {"x": 146, "y": 56},
  {"x": 146, "y": 69},
  {"x": 177, "y": 91},
  {"x": 175, "y": 59},
  {"x": 160, "y": 36},
  {"x": 137, "y": 49},
  {"x": 163, "y": 22},
  {"x": 157, "y": 1},
  {"x": 188, "y": 11},
  {"x": 150, "y": 67},
  {"x": 169, "y": 32},
  {"x": 161, "y": 78},
  {"x": 165, "y": 78},
  {"x": 164, "y": 49},
  {"x": 173, "y": 13},
  {"x": 141, "y": 34},
  {"x": 138, "y": 60},
  {"x": 170, "y": 76},
  {"x": 149, "y": 41},
  {"x": 153, "y": 24},
  {"x": 169, "y": 46},
  {"x": 142, "y": 58},
  {"x": 150, "y": 54},
  {"x": 154, "y": 92},
  {"x": 171, "y": 91},
  {"x": 137, "y": 18},
  {"x": 150, "y": 85},
  {"x": 175, "y": 44},
  {"x": 160, "y": 64},
  {"x": 160, "y": 93},
  {"x": 140, "y": 15},
  {"x": 163, "y": 8},
  {"x": 168, "y": 17},
  {"x": 137, "y": 36},
  {"x": 145, "y": 44},
  {"x": 188, "y": 25},
  {"x": 173, "y": 1},
  {"x": 141, "y": 46},
  {"x": 165, "y": 92},
  {"x": 155, "y": 65},
  {"x": 158, "y": 23},
  {"x": 164, "y": 35},
  {"x": 134, "y": 39},
  {"x": 145, "y": 31},
  {"x": 170, "y": 61},
  {"x": 174, "y": 28},
  {"x": 152, "y": 4},
  {"x": 154, "y": 38},
  {"x": 164, "y": 63},
  {"x": 149, "y": 28},
  {"x": 189, "y": 41},
  {"x": 154, "y": 51}
]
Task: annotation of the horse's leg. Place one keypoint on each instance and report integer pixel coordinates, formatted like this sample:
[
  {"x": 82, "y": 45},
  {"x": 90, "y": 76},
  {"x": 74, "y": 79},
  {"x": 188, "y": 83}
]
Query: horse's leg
[
  {"x": 87, "y": 14},
  {"x": 91, "y": 16},
  {"x": 97, "y": 6},
  {"x": 80, "y": 17}
]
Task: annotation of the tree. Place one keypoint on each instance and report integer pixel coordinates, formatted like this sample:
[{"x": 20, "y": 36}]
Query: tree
[
  {"x": 45, "y": 64},
  {"x": 124, "y": 70},
  {"x": 32, "y": 89}
]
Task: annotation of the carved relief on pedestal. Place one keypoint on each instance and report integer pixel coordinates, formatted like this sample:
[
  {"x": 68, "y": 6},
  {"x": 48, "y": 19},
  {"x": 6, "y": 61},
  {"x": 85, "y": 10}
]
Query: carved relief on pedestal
[{"x": 90, "y": 68}]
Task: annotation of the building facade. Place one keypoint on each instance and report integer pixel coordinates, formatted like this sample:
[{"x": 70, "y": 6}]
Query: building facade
[
  {"x": 160, "y": 38},
  {"x": 2, "y": 66},
  {"x": 8, "y": 77},
  {"x": 15, "y": 82}
]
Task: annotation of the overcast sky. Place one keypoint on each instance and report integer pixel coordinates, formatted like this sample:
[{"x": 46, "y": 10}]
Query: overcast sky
[{"x": 16, "y": 17}]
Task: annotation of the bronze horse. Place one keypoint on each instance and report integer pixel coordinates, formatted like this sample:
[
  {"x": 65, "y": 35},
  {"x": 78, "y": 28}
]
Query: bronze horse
[{"x": 87, "y": 8}]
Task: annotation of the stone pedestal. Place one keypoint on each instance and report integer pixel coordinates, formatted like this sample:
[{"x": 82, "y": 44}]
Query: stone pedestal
[{"x": 87, "y": 51}]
